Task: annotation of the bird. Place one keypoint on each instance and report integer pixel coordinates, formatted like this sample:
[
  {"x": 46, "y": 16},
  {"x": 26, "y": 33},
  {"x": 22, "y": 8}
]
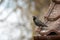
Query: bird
[{"x": 38, "y": 22}]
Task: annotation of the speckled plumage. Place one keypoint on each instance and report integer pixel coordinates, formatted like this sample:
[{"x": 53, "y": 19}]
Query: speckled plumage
[{"x": 38, "y": 22}]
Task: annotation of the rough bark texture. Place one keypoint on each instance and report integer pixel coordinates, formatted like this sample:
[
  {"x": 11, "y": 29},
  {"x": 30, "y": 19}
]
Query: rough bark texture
[{"x": 53, "y": 22}]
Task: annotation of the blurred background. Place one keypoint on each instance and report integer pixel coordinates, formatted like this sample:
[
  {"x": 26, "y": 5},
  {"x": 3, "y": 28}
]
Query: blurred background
[{"x": 16, "y": 18}]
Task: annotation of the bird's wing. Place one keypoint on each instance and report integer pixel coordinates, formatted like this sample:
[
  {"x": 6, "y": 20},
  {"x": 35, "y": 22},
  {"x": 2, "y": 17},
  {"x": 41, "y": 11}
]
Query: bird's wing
[{"x": 40, "y": 23}]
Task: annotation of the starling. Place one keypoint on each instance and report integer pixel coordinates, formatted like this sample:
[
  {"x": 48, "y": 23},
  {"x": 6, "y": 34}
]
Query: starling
[{"x": 38, "y": 22}]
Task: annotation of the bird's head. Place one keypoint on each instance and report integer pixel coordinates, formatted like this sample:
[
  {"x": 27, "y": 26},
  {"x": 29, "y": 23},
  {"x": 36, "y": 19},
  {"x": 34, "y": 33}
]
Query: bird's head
[{"x": 34, "y": 17}]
